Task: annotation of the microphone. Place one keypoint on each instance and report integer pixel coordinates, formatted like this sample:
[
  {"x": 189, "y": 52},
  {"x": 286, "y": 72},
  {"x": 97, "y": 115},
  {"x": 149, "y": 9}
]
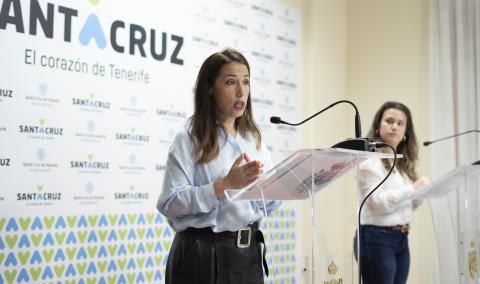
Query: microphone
[
  {"x": 426, "y": 143},
  {"x": 357, "y": 143}
]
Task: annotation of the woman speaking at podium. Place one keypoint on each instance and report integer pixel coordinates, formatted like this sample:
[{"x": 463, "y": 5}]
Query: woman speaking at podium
[
  {"x": 386, "y": 217},
  {"x": 220, "y": 148}
]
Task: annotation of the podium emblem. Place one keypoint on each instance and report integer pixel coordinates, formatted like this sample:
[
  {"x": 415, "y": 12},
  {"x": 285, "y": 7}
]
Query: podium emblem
[{"x": 472, "y": 260}]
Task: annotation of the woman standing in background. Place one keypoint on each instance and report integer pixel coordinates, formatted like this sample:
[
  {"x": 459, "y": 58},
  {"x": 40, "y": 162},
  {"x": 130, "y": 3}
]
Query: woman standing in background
[{"x": 388, "y": 212}]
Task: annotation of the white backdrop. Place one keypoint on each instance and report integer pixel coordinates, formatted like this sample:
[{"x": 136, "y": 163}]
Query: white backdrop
[{"x": 91, "y": 95}]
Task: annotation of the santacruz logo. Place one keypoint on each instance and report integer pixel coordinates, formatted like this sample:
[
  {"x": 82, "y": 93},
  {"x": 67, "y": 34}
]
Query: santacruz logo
[
  {"x": 262, "y": 10},
  {"x": 89, "y": 164},
  {"x": 41, "y": 129},
  {"x": 286, "y": 40},
  {"x": 132, "y": 137},
  {"x": 262, "y": 55},
  {"x": 235, "y": 25},
  {"x": 4, "y": 162},
  {"x": 91, "y": 103},
  {"x": 123, "y": 37},
  {"x": 131, "y": 196},
  {"x": 287, "y": 84},
  {"x": 170, "y": 113},
  {"x": 39, "y": 195},
  {"x": 262, "y": 101},
  {"x": 205, "y": 41}
]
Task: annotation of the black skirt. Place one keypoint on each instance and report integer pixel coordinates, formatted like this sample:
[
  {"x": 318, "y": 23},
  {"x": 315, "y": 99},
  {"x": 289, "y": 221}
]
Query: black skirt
[{"x": 202, "y": 256}]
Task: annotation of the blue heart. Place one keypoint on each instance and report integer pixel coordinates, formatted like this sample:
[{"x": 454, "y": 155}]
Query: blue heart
[
  {"x": 12, "y": 225},
  {"x": 47, "y": 273},
  {"x": 92, "y": 30},
  {"x": 23, "y": 276},
  {"x": 70, "y": 270},
  {"x": 60, "y": 223},
  {"x": 37, "y": 224},
  {"x": 36, "y": 258},
  {"x": 24, "y": 241}
]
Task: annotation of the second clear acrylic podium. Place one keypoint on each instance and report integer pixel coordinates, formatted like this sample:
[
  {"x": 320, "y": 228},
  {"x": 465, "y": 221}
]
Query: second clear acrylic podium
[
  {"x": 300, "y": 176},
  {"x": 455, "y": 207}
]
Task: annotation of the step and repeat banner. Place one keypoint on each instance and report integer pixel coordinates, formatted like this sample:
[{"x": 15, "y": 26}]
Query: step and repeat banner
[{"x": 91, "y": 96}]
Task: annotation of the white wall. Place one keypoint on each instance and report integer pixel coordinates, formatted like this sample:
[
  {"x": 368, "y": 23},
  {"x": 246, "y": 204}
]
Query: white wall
[{"x": 369, "y": 52}]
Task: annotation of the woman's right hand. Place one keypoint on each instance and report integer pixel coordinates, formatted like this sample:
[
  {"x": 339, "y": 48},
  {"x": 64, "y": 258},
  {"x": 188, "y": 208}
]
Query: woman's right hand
[
  {"x": 239, "y": 175},
  {"x": 421, "y": 182}
]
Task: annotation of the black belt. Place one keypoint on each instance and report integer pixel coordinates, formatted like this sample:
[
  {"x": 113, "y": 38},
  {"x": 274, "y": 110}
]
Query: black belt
[
  {"x": 243, "y": 237},
  {"x": 404, "y": 229}
]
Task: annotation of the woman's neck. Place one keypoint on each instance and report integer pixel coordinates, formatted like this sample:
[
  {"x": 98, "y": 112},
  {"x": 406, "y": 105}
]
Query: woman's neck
[{"x": 229, "y": 126}]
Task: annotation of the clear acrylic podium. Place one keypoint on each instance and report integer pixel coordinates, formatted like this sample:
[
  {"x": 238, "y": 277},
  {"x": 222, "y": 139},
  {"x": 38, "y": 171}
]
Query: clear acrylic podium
[
  {"x": 300, "y": 176},
  {"x": 454, "y": 203}
]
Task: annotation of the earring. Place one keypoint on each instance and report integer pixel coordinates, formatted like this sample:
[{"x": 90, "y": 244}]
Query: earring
[
  {"x": 404, "y": 138},
  {"x": 376, "y": 132}
]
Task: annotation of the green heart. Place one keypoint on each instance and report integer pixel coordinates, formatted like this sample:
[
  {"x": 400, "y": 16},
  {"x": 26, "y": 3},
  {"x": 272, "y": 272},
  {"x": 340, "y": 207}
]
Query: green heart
[
  {"x": 2, "y": 223},
  {"x": 103, "y": 235},
  {"x": 23, "y": 256},
  {"x": 70, "y": 282},
  {"x": 140, "y": 261},
  {"x": 131, "y": 277},
  {"x": 131, "y": 247},
  {"x": 60, "y": 237},
  {"x": 59, "y": 270},
  {"x": 2, "y": 256},
  {"x": 121, "y": 264},
  {"x": 92, "y": 280},
  {"x": 81, "y": 236},
  {"x": 71, "y": 221},
  {"x": 102, "y": 265},
  {"x": 112, "y": 279},
  {"x": 149, "y": 246},
  {"x": 24, "y": 222},
  {"x": 71, "y": 252},
  {"x": 81, "y": 267},
  {"x": 150, "y": 217},
  {"x": 112, "y": 249},
  {"x": 11, "y": 240},
  {"x": 36, "y": 239},
  {"x": 94, "y": 2},
  {"x": 149, "y": 275},
  {"x": 122, "y": 233},
  {"x": 35, "y": 272},
  {"x": 92, "y": 220},
  {"x": 132, "y": 218},
  {"x": 158, "y": 259},
  {"x": 141, "y": 232},
  {"x": 158, "y": 231},
  {"x": 47, "y": 254},
  {"x": 48, "y": 221},
  {"x": 167, "y": 244},
  {"x": 112, "y": 219},
  {"x": 10, "y": 275},
  {"x": 92, "y": 250}
]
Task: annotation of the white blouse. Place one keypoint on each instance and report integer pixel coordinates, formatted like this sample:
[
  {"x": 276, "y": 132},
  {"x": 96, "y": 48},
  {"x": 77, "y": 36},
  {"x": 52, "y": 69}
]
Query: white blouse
[{"x": 390, "y": 204}]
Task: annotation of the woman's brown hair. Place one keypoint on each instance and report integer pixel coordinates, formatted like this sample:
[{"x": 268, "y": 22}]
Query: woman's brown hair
[
  {"x": 203, "y": 123},
  {"x": 408, "y": 146}
]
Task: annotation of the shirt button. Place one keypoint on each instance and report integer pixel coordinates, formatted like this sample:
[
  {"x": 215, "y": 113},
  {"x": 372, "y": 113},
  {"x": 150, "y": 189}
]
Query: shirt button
[{"x": 214, "y": 206}]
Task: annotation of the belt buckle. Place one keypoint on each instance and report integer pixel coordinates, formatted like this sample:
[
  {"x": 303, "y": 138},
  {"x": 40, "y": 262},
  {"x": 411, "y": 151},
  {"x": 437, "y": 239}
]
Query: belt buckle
[
  {"x": 239, "y": 237},
  {"x": 404, "y": 229}
]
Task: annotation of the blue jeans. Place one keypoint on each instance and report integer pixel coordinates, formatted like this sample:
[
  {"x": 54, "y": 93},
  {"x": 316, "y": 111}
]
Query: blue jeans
[{"x": 385, "y": 257}]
